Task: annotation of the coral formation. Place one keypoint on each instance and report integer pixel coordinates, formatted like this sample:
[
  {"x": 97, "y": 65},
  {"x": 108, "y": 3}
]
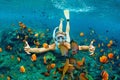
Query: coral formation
[{"x": 17, "y": 65}]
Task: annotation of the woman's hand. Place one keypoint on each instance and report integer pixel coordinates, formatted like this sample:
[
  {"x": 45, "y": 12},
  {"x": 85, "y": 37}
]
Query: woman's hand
[
  {"x": 27, "y": 48},
  {"x": 91, "y": 48},
  {"x": 52, "y": 47}
]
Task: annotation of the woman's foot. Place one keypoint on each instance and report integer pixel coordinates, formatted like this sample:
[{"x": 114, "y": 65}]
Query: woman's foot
[{"x": 66, "y": 13}]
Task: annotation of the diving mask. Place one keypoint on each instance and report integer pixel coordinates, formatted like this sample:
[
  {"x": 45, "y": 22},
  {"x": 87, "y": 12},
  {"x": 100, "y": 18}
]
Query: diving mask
[{"x": 59, "y": 36}]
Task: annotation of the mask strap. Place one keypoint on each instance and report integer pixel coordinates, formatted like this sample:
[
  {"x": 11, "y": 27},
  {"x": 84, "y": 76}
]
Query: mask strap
[{"x": 54, "y": 33}]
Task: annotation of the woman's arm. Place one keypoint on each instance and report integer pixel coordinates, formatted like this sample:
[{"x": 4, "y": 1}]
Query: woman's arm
[
  {"x": 38, "y": 50},
  {"x": 91, "y": 48},
  {"x": 84, "y": 48}
]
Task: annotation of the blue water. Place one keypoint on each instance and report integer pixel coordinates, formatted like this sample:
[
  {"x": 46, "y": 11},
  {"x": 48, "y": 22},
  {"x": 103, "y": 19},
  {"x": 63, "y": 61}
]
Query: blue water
[{"x": 102, "y": 16}]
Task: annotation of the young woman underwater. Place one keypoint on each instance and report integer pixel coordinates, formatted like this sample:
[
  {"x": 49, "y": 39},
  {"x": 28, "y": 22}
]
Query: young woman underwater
[{"x": 61, "y": 41}]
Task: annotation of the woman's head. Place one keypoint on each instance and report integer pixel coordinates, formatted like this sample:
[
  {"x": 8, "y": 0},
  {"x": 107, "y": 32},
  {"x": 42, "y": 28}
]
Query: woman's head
[{"x": 60, "y": 37}]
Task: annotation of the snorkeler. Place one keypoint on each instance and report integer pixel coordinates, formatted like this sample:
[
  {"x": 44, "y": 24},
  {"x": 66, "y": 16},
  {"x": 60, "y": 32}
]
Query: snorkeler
[{"x": 61, "y": 41}]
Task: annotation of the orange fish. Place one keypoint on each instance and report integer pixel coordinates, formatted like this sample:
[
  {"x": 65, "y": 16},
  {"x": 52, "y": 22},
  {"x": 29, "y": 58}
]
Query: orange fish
[
  {"x": 8, "y": 78},
  {"x": 71, "y": 69},
  {"x": 34, "y": 57},
  {"x": 82, "y": 76},
  {"x": 46, "y": 74},
  {"x": 99, "y": 45},
  {"x": 72, "y": 61},
  {"x": 9, "y": 47},
  {"x": 81, "y": 34},
  {"x": 110, "y": 55},
  {"x": 103, "y": 59},
  {"x": 48, "y": 67},
  {"x": 80, "y": 63},
  {"x": 109, "y": 45},
  {"x": 104, "y": 75},
  {"x": 37, "y": 43},
  {"x": 111, "y": 42},
  {"x": 22, "y": 25},
  {"x": 101, "y": 50},
  {"x": 18, "y": 58},
  {"x": 29, "y": 30},
  {"x": 52, "y": 65},
  {"x": 45, "y": 45},
  {"x": 22, "y": 69},
  {"x": 74, "y": 47},
  {"x": 12, "y": 56},
  {"x": 44, "y": 60},
  {"x": 54, "y": 72},
  {"x": 0, "y": 49}
]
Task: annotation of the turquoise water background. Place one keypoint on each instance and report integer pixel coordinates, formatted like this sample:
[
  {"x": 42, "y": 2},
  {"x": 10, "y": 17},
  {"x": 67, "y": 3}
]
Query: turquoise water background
[{"x": 100, "y": 16}]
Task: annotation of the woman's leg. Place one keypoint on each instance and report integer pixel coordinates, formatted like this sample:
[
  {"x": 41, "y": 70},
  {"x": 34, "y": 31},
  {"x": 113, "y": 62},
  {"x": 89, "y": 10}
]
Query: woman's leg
[
  {"x": 67, "y": 31},
  {"x": 61, "y": 25},
  {"x": 66, "y": 13}
]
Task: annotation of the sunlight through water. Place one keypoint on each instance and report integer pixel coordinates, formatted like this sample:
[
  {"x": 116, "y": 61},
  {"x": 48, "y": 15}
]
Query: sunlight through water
[{"x": 72, "y": 5}]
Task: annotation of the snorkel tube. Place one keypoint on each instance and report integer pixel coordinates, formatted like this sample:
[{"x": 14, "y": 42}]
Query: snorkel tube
[{"x": 54, "y": 33}]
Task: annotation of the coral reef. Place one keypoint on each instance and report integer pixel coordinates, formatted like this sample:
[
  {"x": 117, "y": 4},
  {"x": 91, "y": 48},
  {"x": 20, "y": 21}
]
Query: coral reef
[{"x": 17, "y": 65}]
